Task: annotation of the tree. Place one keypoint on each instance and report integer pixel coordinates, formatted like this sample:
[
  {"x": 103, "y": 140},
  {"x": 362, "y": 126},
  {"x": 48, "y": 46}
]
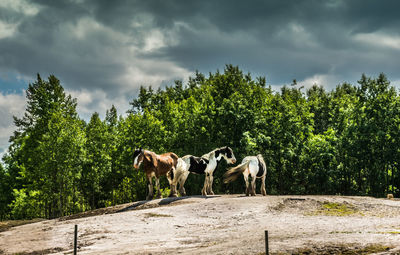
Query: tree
[
  {"x": 377, "y": 127},
  {"x": 319, "y": 103},
  {"x": 47, "y": 149},
  {"x": 97, "y": 162},
  {"x": 6, "y": 193}
]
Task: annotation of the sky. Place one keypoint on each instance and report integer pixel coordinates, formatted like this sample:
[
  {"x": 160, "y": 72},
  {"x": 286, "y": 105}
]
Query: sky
[{"x": 103, "y": 51}]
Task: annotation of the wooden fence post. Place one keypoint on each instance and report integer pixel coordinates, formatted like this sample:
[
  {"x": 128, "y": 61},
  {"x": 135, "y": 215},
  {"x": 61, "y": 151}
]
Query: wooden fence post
[{"x": 76, "y": 239}]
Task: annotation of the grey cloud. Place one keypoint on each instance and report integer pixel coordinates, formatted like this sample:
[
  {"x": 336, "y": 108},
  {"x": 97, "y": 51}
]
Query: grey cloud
[
  {"x": 279, "y": 52},
  {"x": 258, "y": 35},
  {"x": 44, "y": 44}
]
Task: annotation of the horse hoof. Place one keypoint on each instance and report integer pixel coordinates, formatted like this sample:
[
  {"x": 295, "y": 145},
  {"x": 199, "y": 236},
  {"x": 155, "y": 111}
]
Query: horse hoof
[{"x": 173, "y": 195}]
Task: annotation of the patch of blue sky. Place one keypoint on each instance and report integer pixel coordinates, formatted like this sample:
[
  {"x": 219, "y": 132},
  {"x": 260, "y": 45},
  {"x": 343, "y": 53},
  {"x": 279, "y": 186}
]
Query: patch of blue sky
[{"x": 12, "y": 84}]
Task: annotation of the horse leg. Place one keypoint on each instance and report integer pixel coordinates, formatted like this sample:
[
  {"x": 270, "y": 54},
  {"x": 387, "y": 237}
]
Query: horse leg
[
  {"x": 169, "y": 177},
  {"x": 172, "y": 182},
  {"x": 209, "y": 190},
  {"x": 263, "y": 191},
  {"x": 205, "y": 187},
  {"x": 253, "y": 185},
  {"x": 158, "y": 187},
  {"x": 246, "y": 180},
  {"x": 182, "y": 181},
  {"x": 150, "y": 187}
]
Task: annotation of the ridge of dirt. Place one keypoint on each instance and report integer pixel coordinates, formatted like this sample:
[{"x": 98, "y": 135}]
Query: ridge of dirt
[
  {"x": 139, "y": 205},
  {"x": 6, "y": 225}
]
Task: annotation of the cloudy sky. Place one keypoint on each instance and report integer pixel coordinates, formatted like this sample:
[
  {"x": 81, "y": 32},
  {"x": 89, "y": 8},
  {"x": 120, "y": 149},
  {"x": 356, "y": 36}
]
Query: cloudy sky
[{"x": 102, "y": 51}]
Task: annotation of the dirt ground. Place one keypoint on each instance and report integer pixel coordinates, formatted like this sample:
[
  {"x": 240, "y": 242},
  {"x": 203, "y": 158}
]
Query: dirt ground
[{"x": 226, "y": 224}]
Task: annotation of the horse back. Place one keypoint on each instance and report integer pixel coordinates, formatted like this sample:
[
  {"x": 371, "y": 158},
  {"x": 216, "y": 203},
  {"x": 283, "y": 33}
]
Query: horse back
[
  {"x": 170, "y": 158},
  {"x": 198, "y": 165}
]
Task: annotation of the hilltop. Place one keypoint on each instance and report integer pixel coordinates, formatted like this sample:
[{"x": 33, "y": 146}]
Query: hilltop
[{"x": 221, "y": 224}]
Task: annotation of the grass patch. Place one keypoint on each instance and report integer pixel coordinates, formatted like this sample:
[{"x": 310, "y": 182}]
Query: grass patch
[
  {"x": 342, "y": 232},
  {"x": 342, "y": 250},
  {"x": 335, "y": 209},
  {"x": 390, "y": 232},
  {"x": 151, "y": 215},
  {"x": 6, "y": 225}
]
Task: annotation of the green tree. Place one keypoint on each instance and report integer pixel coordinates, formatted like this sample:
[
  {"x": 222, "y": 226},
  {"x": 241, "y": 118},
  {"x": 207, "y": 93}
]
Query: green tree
[
  {"x": 319, "y": 103},
  {"x": 6, "y": 193},
  {"x": 344, "y": 100},
  {"x": 377, "y": 123},
  {"x": 319, "y": 162},
  {"x": 97, "y": 162},
  {"x": 46, "y": 150}
]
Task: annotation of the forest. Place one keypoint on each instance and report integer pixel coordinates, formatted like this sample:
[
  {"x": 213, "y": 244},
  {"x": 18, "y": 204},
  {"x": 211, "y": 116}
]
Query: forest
[{"x": 339, "y": 142}]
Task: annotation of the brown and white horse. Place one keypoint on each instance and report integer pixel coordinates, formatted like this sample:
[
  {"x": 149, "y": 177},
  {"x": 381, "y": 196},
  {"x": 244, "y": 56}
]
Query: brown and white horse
[
  {"x": 156, "y": 165},
  {"x": 253, "y": 166},
  {"x": 205, "y": 164}
]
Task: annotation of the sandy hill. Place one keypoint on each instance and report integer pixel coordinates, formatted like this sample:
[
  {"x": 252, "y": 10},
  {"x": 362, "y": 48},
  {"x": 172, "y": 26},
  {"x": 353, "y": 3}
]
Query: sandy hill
[{"x": 226, "y": 224}]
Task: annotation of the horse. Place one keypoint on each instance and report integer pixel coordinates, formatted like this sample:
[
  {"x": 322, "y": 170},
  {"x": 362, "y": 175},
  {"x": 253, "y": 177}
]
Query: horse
[
  {"x": 205, "y": 164},
  {"x": 253, "y": 166},
  {"x": 156, "y": 165}
]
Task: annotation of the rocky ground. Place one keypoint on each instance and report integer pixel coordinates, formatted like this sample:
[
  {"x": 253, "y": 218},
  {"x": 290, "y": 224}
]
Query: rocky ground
[{"x": 226, "y": 224}]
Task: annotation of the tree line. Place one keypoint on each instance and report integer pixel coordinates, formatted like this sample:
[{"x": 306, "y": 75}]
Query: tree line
[{"x": 314, "y": 141}]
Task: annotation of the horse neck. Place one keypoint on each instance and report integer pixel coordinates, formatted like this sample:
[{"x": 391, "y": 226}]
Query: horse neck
[
  {"x": 150, "y": 153},
  {"x": 213, "y": 158}
]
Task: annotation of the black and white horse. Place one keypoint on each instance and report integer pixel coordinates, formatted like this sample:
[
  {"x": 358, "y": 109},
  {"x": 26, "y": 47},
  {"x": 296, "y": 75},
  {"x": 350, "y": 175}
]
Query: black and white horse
[
  {"x": 253, "y": 166},
  {"x": 205, "y": 164}
]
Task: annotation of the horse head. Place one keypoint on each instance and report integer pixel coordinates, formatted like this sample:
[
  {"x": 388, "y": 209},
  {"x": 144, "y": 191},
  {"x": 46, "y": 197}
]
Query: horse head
[
  {"x": 227, "y": 153},
  {"x": 138, "y": 156},
  {"x": 141, "y": 155}
]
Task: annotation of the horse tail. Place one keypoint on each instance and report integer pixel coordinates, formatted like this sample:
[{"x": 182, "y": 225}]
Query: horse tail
[
  {"x": 234, "y": 172},
  {"x": 181, "y": 165},
  {"x": 180, "y": 168},
  {"x": 262, "y": 164},
  {"x": 174, "y": 158}
]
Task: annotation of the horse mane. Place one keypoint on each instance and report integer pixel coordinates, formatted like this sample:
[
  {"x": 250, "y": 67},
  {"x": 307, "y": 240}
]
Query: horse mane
[
  {"x": 150, "y": 157},
  {"x": 208, "y": 155}
]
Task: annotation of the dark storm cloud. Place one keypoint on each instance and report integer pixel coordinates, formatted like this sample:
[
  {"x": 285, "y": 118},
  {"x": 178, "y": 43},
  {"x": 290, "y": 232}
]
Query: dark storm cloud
[
  {"x": 280, "y": 39},
  {"x": 43, "y": 44}
]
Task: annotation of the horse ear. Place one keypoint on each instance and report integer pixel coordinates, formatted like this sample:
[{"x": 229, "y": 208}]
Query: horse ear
[{"x": 217, "y": 153}]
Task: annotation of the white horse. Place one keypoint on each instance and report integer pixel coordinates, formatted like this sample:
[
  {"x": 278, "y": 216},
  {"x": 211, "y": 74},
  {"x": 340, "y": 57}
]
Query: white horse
[
  {"x": 205, "y": 164},
  {"x": 253, "y": 166}
]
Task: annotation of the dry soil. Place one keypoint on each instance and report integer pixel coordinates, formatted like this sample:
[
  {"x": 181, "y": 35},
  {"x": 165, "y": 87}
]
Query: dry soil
[{"x": 226, "y": 224}]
